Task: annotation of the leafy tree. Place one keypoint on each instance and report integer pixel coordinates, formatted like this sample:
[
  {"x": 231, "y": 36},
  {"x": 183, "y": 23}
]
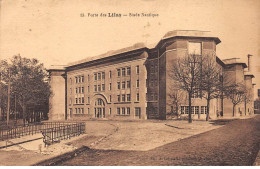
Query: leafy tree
[{"x": 28, "y": 83}]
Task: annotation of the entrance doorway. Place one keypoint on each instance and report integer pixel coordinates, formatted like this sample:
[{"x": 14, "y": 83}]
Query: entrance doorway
[{"x": 99, "y": 108}]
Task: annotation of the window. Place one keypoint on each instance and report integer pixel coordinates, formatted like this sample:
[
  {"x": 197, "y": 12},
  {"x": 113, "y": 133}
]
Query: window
[
  {"x": 123, "y": 71},
  {"x": 88, "y": 78},
  {"x": 128, "y": 70},
  {"x": 76, "y": 79},
  {"x": 82, "y": 79},
  {"x": 82, "y": 110},
  {"x": 123, "y": 97},
  {"x": 196, "y": 109},
  {"x": 118, "y": 85},
  {"x": 76, "y": 100},
  {"x": 152, "y": 68},
  {"x": 123, "y": 85},
  {"x": 123, "y": 111},
  {"x": 118, "y": 98},
  {"x": 151, "y": 96},
  {"x": 110, "y": 74},
  {"x": 95, "y": 87},
  {"x": 155, "y": 82},
  {"x": 95, "y": 76},
  {"x": 82, "y": 89},
  {"x": 128, "y": 110},
  {"x": 79, "y": 89},
  {"x": 103, "y": 75},
  {"x": 103, "y": 87},
  {"x": 99, "y": 76},
  {"x": 118, "y": 72},
  {"x": 110, "y": 86},
  {"x": 137, "y": 111},
  {"x": 99, "y": 87},
  {"x": 110, "y": 98},
  {"x": 202, "y": 110},
  {"x": 76, "y": 90},
  {"x": 155, "y": 67},
  {"x": 79, "y": 79},
  {"x": 128, "y": 97},
  {"x": 137, "y": 83},
  {"x": 76, "y": 110},
  {"x": 186, "y": 109},
  {"x": 137, "y": 69},
  {"x": 88, "y": 88},
  {"x": 152, "y": 82},
  {"x": 70, "y": 101},
  {"x": 70, "y": 90},
  {"x": 88, "y": 100},
  {"x": 192, "y": 109},
  {"x": 110, "y": 111},
  {"x": 195, "y": 48},
  {"x": 88, "y": 111},
  {"x": 128, "y": 84},
  {"x": 137, "y": 97},
  {"x": 182, "y": 109},
  {"x": 79, "y": 100},
  {"x": 155, "y": 96},
  {"x": 118, "y": 111},
  {"x": 82, "y": 99}
]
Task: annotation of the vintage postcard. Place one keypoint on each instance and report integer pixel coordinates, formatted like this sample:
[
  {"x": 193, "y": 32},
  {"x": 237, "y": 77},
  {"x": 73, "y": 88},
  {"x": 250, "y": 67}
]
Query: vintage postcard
[{"x": 129, "y": 82}]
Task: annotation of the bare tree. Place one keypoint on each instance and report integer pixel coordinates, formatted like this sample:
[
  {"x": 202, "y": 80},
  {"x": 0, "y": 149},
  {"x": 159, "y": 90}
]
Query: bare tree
[
  {"x": 176, "y": 97},
  {"x": 211, "y": 80},
  {"x": 236, "y": 93},
  {"x": 248, "y": 98},
  {"x": 185, "y": 72}
]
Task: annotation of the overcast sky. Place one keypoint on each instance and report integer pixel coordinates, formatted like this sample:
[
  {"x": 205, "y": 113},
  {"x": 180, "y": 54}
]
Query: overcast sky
[{"x": 54, "y": 32}]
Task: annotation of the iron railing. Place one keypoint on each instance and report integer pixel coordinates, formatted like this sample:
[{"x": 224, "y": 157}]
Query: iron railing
[
  {"x": 10, "y": 132},
  {"x": 56, "y": 134}
]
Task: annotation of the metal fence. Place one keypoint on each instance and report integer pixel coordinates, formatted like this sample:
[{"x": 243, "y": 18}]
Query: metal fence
[
  {"x": 10, "y": 132},
  {"x": 56, "y": 134}
]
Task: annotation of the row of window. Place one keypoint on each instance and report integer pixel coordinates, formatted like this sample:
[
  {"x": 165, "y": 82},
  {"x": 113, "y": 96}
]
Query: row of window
[
  {"x": 123, "y": 71},
  {"x": 123, "y": 111},
  {"x": 124, "y": 98},
  {"x": 79, "y": 100},
  {"x": 100, "y": 75},
  {"x": 125, "y": 84},
  {"x": 120, "y": 111},
  {"x": 154, "y": 67},
  {"x": 99, "y": 87},
  {"x": 79, "y": 79},
  {"x": 194, "y": 109}
]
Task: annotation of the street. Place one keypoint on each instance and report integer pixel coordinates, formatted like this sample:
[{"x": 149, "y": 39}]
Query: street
[{"x": 236, "y": 143}]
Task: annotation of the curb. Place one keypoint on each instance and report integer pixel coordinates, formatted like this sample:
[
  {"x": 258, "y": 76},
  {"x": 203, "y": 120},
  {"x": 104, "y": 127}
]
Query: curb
[{"x": 63, "y": 157}]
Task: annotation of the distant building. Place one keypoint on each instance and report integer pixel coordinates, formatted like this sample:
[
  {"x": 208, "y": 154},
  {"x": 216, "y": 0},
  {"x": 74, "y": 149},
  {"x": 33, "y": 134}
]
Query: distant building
[{"x": 134, "y": 83}]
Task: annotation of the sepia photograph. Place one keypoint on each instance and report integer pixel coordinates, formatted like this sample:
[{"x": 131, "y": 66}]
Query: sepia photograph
[{"x": 129, "y": 83}]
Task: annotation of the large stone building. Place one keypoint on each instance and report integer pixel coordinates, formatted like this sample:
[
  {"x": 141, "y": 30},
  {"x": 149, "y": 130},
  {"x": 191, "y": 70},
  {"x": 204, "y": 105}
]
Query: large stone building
[{"x": 134, "y": 82}]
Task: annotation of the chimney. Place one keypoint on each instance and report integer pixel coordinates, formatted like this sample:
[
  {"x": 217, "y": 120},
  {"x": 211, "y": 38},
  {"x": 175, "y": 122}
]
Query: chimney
[{"x": 249, "y": 62}]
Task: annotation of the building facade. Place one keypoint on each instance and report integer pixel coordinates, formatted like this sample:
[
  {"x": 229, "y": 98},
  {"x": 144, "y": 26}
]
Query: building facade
[{"x": 134, "y": 82}]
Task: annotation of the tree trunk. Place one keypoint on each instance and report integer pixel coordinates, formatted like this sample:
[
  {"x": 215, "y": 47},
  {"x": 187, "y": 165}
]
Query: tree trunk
[
  {"x": 234, "y": 106},
  {"x": 190, "y": 121},
  {"x": 245, "y": 108},
  {"x": 24, "y": 114},
  {"x": 8, "y": 102},
  {"x": 208, "y": 106}
]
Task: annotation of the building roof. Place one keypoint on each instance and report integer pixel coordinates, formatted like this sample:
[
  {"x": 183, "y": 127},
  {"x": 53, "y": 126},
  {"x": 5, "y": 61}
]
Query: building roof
[
  {"x": 234, "y": 61},
  {"x": 110, "y": 53},
  {"x": 246, "y": 73}
]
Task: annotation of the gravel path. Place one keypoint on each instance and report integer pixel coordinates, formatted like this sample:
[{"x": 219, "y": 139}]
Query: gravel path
[{"x": 236, "y": 143}]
